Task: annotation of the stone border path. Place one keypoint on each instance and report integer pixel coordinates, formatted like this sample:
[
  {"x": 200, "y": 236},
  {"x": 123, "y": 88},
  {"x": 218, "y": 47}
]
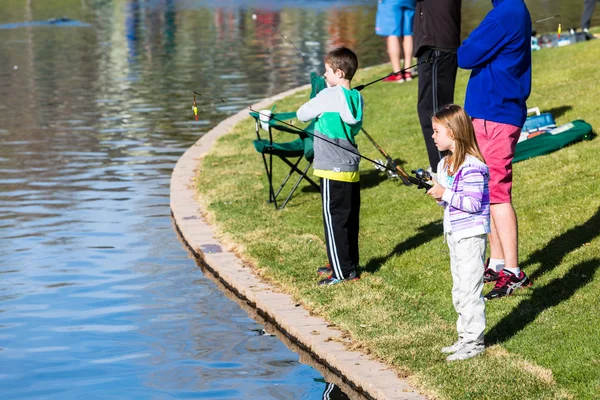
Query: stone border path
[{"x": 369, "y": 377}]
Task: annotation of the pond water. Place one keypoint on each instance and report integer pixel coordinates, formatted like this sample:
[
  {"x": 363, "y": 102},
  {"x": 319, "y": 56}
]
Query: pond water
[{"x": 98, "y": 297}]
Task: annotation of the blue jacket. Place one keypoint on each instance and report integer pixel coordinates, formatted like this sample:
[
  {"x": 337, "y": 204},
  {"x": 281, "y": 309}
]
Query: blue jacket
[{"x": 498, "y": 52}]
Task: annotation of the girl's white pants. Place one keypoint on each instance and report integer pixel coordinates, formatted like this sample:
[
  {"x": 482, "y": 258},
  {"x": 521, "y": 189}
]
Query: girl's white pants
[{"x": 466, "y": 264}]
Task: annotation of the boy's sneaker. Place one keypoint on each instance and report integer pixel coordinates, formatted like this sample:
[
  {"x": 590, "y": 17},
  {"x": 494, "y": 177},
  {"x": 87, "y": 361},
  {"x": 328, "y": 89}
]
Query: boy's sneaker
[
  {"x": 453, "y": 348},
  {"x": 332, "y": 281},
  {"x": 468, "y": 350},
  {"x": 395, "y": 78},
  {"x": 326, "y": 270},
  {"x": 507, "y": 283},
  {"x": 407, "y": 76}
]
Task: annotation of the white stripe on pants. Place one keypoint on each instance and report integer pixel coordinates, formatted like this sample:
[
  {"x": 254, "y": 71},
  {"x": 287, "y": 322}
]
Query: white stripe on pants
[
  {"x": 333, "y": 253},
  {"x": 466, "y": 265}
]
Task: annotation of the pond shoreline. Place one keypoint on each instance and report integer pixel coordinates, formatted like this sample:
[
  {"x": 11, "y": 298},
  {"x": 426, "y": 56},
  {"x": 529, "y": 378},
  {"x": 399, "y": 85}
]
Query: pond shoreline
[{"x": 314, "y": 335}]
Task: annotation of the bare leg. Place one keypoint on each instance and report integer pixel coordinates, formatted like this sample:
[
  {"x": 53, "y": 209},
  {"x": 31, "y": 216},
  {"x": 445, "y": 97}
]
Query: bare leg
[
  {"x": 393, "y": 48},
  {"x": 504, "y": 234},
  {"x": 495, "y": 246},
  {"x": 407, "y": 46}
]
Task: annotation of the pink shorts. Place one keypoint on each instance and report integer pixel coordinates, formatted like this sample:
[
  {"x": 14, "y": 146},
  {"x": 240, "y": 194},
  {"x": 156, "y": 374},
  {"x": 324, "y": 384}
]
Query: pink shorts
[{"x": 497, "y": 143}]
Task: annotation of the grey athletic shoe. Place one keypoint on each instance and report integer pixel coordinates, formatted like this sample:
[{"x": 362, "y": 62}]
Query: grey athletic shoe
[
  {"x": 453, "y": 348},
  {"x": 326, "y": 270},
  {"x": 332, "y": 281},
  {"x": 468, "y": 350}
]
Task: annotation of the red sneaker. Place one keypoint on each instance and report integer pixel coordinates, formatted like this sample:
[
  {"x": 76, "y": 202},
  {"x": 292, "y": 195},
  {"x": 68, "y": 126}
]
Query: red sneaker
[
  {"x": 507, "y": 283},
  {"x": 394, "y": 78},
  {"x": 407, "y": 76}
]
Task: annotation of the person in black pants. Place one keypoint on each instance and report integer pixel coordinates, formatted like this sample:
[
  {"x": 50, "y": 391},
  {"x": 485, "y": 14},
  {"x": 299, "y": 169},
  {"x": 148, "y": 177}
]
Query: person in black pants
[
  {"x": 588, "y": 11},
  {"x": 436, "y": 37}
]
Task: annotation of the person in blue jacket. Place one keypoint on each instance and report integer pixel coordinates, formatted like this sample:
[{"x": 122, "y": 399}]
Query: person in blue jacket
[{"x": 498, "y": 52}]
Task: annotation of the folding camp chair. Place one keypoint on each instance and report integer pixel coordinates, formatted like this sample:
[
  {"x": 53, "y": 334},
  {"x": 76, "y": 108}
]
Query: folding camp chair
[{"x": 292, "y": 152}]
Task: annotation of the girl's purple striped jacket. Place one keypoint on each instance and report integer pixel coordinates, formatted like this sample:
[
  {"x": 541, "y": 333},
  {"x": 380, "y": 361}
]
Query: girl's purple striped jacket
[{"x": 467, "y": 202}]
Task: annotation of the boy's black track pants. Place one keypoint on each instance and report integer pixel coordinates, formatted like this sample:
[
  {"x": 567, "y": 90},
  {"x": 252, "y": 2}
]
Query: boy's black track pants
[{"x": 341, "y": 209}]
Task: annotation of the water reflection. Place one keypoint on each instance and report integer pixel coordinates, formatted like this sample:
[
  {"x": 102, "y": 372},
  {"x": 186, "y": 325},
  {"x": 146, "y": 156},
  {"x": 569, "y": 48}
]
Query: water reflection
[
  {"x": 97, "y": 297},
  {"x": 333, "y": 392}
]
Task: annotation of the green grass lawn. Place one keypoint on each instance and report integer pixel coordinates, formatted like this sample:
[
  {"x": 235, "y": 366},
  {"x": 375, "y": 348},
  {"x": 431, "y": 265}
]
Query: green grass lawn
[{"x": 544, "y": 342}]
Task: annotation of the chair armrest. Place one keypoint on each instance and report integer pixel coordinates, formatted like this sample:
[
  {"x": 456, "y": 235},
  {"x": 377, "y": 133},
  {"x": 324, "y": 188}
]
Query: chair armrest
[{"x": 274, "y": 121}]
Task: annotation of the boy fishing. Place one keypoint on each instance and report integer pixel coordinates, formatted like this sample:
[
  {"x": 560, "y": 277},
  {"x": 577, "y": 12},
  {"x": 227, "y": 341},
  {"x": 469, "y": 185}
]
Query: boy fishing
[{"x": 339, "y": 113}]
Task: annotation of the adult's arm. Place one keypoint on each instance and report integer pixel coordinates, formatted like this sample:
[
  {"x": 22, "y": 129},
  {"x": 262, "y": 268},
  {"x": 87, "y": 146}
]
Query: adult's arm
[{"x": 482, "y": 44}]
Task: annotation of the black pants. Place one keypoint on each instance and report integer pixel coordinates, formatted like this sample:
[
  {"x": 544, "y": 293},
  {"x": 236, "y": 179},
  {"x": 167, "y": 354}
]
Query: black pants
[
  {"x": 436, "y": 89},
  {"x": 588, "y": 11},
  {"x": 341, "y": 209}
]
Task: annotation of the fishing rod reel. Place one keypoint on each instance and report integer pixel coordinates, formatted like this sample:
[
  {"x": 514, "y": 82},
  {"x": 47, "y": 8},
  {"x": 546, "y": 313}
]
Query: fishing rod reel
[
  {"x": 387, "y": 167},
  {"x": 424, "y": 179}
]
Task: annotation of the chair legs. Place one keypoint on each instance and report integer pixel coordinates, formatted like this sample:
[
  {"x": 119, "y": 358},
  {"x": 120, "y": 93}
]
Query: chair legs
[
  {"x": 287, "y": 178},
  {"x": 293, "y": 168},
  {"x": 302, "y": 175},
  {"x": 272, "y": 195}
]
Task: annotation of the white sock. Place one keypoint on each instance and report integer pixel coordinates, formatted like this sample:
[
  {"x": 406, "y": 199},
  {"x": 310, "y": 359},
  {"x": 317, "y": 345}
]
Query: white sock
[
  {"x": 496, "y": 264},
  {"x": 516, "y": 271}
]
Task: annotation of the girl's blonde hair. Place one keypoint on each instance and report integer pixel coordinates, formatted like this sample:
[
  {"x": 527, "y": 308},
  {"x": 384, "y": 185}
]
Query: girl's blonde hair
[{"x": 458, "y": 122}]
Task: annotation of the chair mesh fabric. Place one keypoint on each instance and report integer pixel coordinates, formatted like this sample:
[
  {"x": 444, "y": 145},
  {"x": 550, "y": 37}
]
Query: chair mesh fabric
[{"x": 294, "y": 148}]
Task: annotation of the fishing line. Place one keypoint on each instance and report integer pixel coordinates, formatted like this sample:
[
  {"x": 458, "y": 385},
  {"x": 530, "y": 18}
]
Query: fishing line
[
  {"x": 285, "y": 38},
  {"x": 549, "y": 18},
  {"x": 359, "y": 87}
]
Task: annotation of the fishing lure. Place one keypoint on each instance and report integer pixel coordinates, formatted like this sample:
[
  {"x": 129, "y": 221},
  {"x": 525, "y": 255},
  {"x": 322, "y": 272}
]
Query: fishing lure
[
  {"x": 549, "y": 18},
  {"x": 195, "y": 108}
]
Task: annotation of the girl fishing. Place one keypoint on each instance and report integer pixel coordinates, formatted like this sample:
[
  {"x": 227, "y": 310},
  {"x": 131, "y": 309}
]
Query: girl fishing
[{"x": 463, "y": 192}]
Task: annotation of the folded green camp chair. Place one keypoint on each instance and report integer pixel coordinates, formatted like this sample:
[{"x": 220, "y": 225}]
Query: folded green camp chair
[{"x": 291, "y": 152}]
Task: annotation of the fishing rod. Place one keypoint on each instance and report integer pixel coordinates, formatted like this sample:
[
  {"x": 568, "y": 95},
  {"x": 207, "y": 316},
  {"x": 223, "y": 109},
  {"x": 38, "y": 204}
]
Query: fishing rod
[
  {"x": 422, "y": 178},
  {"x": 395, "y": 171},
  {"x": 403, "y": 70}
]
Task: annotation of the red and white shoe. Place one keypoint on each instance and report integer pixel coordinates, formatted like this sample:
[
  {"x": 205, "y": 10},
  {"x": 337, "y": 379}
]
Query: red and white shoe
[
  {"x": 395, "y": 78},
  {"x": 507, "y": 283}
]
